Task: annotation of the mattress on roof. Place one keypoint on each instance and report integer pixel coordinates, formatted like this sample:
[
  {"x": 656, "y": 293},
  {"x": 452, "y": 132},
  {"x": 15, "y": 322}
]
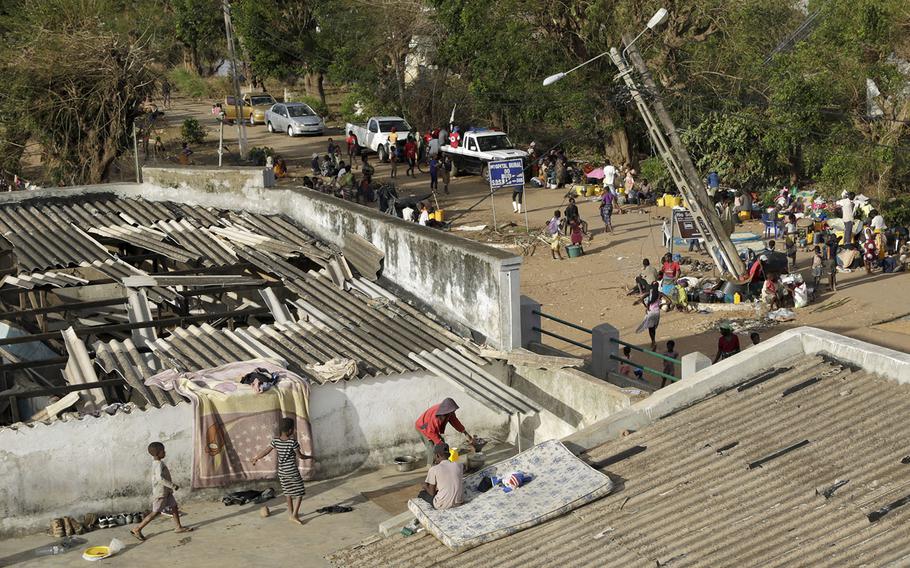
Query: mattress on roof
[{"x": 561, "y": 483}]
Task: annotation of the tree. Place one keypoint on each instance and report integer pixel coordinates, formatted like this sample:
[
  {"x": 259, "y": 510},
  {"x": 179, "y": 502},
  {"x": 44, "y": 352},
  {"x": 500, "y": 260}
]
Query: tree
[
  {"x": 199, "y": 26},
  {"x": 73, "y": 85}
]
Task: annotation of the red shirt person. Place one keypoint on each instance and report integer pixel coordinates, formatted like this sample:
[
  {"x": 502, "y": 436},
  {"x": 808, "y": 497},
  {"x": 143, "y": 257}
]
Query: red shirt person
[
  {"x": 432, "y": 425},
  {"x": 727, "y": 343}
]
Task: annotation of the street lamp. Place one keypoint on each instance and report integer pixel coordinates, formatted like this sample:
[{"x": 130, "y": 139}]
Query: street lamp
[{"x": 656, "y": 20}]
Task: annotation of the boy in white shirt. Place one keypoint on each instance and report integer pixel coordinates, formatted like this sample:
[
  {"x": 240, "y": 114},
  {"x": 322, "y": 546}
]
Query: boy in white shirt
[{"x": 162, "y": 493}]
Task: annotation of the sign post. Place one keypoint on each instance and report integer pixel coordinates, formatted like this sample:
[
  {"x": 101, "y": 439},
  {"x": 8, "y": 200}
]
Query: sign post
[{"x": 507, "y": 173}]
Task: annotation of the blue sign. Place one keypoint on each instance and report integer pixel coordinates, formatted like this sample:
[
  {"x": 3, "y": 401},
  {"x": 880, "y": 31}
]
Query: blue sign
[{"x": 507, "y": 173}]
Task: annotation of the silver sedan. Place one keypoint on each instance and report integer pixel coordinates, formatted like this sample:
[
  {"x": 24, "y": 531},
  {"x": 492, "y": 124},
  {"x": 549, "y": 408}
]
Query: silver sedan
[{"x": 294, "y": 118}]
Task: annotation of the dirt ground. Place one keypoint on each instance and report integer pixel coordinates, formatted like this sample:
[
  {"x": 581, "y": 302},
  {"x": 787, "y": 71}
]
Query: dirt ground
[{"x": 591, "y": 289}]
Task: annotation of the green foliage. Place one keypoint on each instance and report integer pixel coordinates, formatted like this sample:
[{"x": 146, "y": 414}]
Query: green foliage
[
  {"x": 655, "y": 171},
  {"x": 259, "y": 154},
  {"x": 190, "y": 84},
  {"x": 317, "y": 105},
  {"x": 897, "y": 210},
  {"x": 73, "y": 81},
  {"x": 193, "y": 132},
  {"x": 199, "y": 26}
]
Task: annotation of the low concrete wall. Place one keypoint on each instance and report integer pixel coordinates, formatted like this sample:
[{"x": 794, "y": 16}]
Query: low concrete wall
[
  {"x": 101, "y": 465},
  {"x": 734, "y": 370},
  {"x": 209, "y": 180},
  {"x": 571, "y": 400}
]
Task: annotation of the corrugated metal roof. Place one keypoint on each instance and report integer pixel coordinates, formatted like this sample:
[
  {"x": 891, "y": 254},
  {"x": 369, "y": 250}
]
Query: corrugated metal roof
[
  {"x": 53, "y": 279},
  {"x": 690, "y": 498}
]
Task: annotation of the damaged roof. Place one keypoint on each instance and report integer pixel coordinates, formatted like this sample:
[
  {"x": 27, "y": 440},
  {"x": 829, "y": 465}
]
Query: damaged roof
[
  {"x": 803, "y": 465},
  {"x": 284, "y": 295}
]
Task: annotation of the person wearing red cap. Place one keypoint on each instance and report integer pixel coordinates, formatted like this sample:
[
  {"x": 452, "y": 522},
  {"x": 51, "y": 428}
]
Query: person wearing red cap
[{"x": 432, "y": 425}]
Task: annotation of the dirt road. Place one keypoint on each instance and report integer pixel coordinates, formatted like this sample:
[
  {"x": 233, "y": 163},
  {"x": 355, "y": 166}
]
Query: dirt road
[{"x": 592, "y": 289}]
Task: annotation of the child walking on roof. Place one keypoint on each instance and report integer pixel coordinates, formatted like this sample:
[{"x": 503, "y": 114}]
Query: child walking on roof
[{"x": 288, "y": 449}]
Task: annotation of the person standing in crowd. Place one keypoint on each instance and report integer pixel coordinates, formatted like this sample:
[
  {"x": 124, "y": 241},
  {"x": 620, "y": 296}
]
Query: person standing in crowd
[
  {"x": 351, "y": 140},
  {"x": 606, "y": 208},
  {"x": 553, "y": 229},
  {"x": 713, "y": 183},
  {"x": 847, "y": 207},
  {"x": 446, "y": 172},
  {"x": 651, "y": 302},
  {"x": 609, "y": 176},
  {"x": 818, "y": 264},
  {"x": 831, "y": 249},
  {"x": 869, "y": 252},
  {"x": 434, "y": 173},
  {"x": 410, "y": 154},
  {"x": 727, "y": 343},
  {"x": 790, "y": 235},
  {"x": 455, "y": 138},
  {"x": 517, "y": 198},
  {"x": 572, "y": 210}
]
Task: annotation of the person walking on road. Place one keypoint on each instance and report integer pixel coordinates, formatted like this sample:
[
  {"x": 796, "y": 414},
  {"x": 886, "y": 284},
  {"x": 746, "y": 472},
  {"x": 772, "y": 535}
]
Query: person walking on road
[
  {"x": 446, "y": 172},
  {"x": 410, "y": 153}
]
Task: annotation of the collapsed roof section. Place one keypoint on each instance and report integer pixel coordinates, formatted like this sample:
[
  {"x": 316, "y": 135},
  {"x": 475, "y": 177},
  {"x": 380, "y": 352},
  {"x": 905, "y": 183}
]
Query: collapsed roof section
[{"x": 152, "y": 285}]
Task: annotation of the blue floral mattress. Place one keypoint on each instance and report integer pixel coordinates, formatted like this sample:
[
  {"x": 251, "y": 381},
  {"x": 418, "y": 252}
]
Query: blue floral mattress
[{"x": 561, "y": 483}]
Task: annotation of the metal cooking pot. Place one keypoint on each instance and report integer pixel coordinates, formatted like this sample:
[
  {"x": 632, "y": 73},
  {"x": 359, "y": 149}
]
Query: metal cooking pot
[{"x": 406, "y": 463}]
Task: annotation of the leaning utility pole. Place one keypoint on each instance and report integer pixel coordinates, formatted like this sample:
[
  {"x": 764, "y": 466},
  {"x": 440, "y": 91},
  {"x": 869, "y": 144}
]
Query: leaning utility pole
[
  {"x": 665, "y": 139},
  {"x": 238, "y": 97}
]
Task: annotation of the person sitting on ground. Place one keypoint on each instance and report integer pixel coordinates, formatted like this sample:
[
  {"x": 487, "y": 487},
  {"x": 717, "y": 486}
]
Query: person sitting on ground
[
  {"x": 626, "y": 369},
  {"x": 669, "y": 366},
  {"x": 756, "y": 339},
  {"x": 443, "y": 487},
  {"x": 326, "y": 168},
  {"x": 432, "y": 425},
  {"x": 903, "y": 256},
  {"x": 645, "y": 278},
  {"x": 424, "y": 217},
  {"x": 770, "y": 292},
  {"x": 727, "y": 343},
  {"x": 184, "y": 156},
  {"x": 280, "y": 169},
  {"x": 670, "y": 271},
  {"x": 316, "y": 165}
]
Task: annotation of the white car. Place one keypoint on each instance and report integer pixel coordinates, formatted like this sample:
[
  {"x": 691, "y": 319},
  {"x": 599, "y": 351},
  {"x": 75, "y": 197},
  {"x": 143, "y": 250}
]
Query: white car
[
  {"x": 294, "y": 118},
  {"x": 374, "y": 134}
]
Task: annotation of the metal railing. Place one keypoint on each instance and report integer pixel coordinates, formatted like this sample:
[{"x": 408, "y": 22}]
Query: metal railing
[
  {"x": 654, "y": 372},
  {"x": 565, "y": 323}
]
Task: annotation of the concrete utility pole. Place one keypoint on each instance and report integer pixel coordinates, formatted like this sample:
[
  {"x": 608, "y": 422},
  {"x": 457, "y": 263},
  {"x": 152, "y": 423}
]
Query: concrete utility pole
[
  {"x": 664, "y": 137},
  {"x": 238, "y": 97}
]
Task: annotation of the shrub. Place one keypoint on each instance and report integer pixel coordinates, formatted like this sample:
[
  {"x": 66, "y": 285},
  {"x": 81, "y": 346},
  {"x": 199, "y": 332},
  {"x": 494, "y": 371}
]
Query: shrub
[
  {"x": 315, "y": 104},
  {"x": 655, "y": 171},
  {"x": 188, "y": 84},
  {"x": 259, "y": 154},
  {"x": 192, "y": 131}
]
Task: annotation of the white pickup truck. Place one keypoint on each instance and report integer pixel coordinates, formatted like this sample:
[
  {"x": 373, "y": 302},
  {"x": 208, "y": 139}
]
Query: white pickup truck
[
  {"x": 374, "y": 134},
  {"x": 480, "y": 147}
]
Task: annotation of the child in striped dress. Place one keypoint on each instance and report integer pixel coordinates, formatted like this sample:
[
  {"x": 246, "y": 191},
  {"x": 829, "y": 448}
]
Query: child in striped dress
[{"x": 288, "y": 449}]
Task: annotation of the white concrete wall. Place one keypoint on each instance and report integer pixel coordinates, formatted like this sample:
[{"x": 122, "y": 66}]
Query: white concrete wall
[
  {"x": 467, "y": 283},
  {"x": 101, "y": 465},
  {"x": 472, "y": 286},
  {"x": 571, "y": 399}
]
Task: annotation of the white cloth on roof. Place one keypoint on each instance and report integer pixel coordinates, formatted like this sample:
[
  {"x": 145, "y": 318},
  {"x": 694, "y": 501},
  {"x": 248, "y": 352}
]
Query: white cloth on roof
[{"x": 335, "y": 369}]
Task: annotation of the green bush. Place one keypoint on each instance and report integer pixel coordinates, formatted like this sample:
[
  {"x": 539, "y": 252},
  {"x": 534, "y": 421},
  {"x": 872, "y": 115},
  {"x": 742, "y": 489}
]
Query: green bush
[
  {"x": 315, "y": 104},
  {"x": 655, "y": 171},
  {"x": 193, "y": 132},
  {"x": 260, "y": 153},
  {"x": 189, "y": 84}
]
